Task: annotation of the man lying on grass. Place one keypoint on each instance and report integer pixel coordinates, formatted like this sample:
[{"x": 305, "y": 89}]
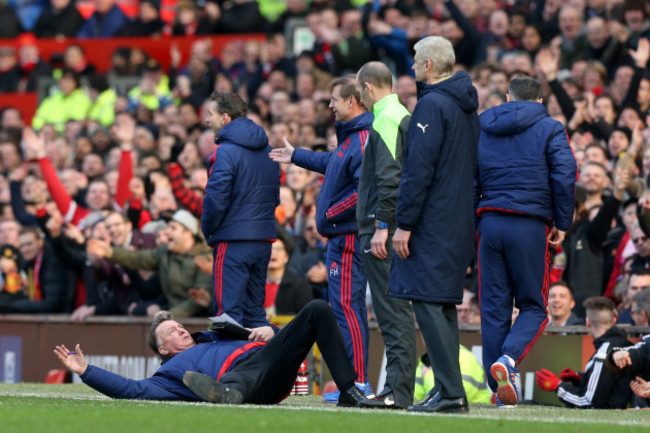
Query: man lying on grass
[{"x": 206, "y": 366}]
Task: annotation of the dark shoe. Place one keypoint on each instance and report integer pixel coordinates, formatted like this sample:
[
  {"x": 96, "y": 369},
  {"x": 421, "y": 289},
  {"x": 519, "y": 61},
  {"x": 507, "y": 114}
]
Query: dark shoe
[
  {"x": 210, "y": 390},
  {"x": 351, "y": 397},
  {"x": 435, "y": 403},
  {"x": 386, "y": 401},
  {"x": 432, "y": 397}
]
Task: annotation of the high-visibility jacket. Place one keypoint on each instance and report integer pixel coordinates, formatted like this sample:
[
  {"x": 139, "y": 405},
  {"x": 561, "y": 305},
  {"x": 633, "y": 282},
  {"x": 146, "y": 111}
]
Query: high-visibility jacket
[
  {"x": 103, "y": 109},
  {"x": 152, "y": 101},
  {"x": 59, "y": 108},
  {"x": 474, "y": 381}
]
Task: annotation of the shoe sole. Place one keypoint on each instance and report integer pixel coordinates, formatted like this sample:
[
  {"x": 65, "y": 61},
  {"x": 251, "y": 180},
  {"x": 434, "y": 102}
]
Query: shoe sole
[
  {"x": 462, "y": 409},
  {"x": 210, "y": 390},
  {"x": 378, "y": 405},
  {"x": 505, "y": 391}
]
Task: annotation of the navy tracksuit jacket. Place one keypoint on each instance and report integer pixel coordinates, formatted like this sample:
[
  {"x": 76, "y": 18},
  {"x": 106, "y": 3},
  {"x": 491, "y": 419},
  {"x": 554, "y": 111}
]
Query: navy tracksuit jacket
[
  {"x": 238, "y": 219},
  {"x": 336, "y": 219},
  {"x": 525, "y": 183}
]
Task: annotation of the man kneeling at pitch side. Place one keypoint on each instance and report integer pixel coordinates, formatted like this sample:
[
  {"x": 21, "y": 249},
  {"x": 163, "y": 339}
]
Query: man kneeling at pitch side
[{"x": 206, "y": 366}]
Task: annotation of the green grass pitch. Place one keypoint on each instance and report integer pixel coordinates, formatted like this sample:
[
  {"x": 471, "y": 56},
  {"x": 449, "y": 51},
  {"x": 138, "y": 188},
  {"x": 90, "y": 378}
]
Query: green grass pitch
[{"x": 36, "y": 408}]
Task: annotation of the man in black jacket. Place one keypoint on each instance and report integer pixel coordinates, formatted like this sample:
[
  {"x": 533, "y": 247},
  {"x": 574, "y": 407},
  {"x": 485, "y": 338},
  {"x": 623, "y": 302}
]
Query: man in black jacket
[
  {"x": 596, "y": 387},
  {"x": 583, "y": 245},
  {"x": 635, "y": 360}
]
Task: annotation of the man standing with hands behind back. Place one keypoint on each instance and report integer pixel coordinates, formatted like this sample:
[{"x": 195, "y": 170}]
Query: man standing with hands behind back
[
  {"x": 381, "y": 168},
  {"x": 525, "y": 196},
  {"x": 434, "y": 240}
]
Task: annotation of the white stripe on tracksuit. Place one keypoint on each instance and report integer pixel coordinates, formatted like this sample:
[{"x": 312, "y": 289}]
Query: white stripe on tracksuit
[{"x": 593, "y": 369}]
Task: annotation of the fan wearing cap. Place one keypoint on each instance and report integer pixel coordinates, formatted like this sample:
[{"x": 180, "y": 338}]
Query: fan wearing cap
[
  {"x": 153, "y": 90},
  {"x": 174, "y": 261},
  {"x": 32, "y": 66}
]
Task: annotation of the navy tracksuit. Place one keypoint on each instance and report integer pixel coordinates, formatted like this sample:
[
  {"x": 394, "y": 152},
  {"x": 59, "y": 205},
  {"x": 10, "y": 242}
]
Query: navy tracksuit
[
  {"x": 525, "y": 183},
  {"x": 336, "y": 219},
  {"x": 238, "y": 219}
]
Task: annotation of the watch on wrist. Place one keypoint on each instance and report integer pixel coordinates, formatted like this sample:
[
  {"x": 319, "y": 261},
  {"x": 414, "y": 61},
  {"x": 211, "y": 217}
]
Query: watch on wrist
[{"x": 381, "y": 225}]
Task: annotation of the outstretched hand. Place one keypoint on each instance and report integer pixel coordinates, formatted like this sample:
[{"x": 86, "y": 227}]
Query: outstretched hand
[
  {"x": 34, "y": 144},
  {"x": 75, "y": 361},
  {"x": 282, "y": 154},
  {"x": 622, "y": 358}
]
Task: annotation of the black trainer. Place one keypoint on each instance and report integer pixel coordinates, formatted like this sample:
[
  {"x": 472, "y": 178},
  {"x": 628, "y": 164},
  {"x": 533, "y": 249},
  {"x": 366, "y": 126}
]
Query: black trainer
[
  {"x": 210, "y": 390},
  {"x": 385, "y": 401},
  {"x": 351, "y": 397}
]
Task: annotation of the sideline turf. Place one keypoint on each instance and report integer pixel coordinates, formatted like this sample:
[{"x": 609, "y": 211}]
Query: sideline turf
[{"x": 76, "y": 408}]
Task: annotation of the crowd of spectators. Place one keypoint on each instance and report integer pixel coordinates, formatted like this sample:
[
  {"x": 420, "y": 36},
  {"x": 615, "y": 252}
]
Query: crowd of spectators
[{"x": 103, "y": 196}]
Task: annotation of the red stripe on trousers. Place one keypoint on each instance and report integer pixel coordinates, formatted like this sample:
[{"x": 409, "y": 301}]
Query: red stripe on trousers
[
  {"x": 218, "y": 276},
  {"x": 353, "y": 324},
  {"x": 547, "y": 265}
]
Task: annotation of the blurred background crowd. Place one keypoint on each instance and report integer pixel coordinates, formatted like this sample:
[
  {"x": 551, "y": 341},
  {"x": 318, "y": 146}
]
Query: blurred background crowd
[{"x": 115, "y": 162}]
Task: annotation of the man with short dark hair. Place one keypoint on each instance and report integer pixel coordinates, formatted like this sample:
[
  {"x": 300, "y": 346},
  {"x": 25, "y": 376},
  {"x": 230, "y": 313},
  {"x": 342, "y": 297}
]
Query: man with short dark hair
[
  {"x": 44, "y": 289},
  {"x": 238, "y": 218},
  {"x": 212, "y": 367},
  {"x": 524, "y": 199},
  {"x": 336, "y": 218},
  {"x": 560, "y": 306},
  {"x": 596, "y": 387}
]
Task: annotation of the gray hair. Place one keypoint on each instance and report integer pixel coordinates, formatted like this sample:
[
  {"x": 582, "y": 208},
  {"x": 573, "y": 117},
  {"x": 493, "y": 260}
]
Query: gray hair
[
  {"x": 152, "y": 336},
  {"x": 441, "y": 53}
]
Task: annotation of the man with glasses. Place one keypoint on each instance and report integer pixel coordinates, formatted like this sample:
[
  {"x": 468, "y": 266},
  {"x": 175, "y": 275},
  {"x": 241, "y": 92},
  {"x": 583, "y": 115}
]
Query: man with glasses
[{"x": 642, "y": 245}]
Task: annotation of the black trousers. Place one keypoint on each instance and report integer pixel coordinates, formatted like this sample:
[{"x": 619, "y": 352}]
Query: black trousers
[{"x": 267, "y": 376}]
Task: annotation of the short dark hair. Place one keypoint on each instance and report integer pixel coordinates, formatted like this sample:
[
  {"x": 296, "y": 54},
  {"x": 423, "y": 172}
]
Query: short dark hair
[
  {"x": 524, "y": 89},
  {"x": 30, "y": 230},
  {"x": 375, "y": 73},
  {"x": 561, "y": 284},
  {"x": 639, "y": 270},
  {"x": 71, "y": 73},
  {"x": 229, "y": 103},
  {"x": 152, "y": 338},
  {"x": 348, "y": 86}
]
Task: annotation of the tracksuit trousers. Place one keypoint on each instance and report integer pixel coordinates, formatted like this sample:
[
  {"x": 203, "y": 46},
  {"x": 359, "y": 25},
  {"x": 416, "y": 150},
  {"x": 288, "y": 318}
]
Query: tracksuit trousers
[{"x": 514, "y": 264}]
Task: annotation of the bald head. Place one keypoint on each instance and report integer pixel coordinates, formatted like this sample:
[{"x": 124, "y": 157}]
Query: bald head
[{"x": 374, "y": 81}]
